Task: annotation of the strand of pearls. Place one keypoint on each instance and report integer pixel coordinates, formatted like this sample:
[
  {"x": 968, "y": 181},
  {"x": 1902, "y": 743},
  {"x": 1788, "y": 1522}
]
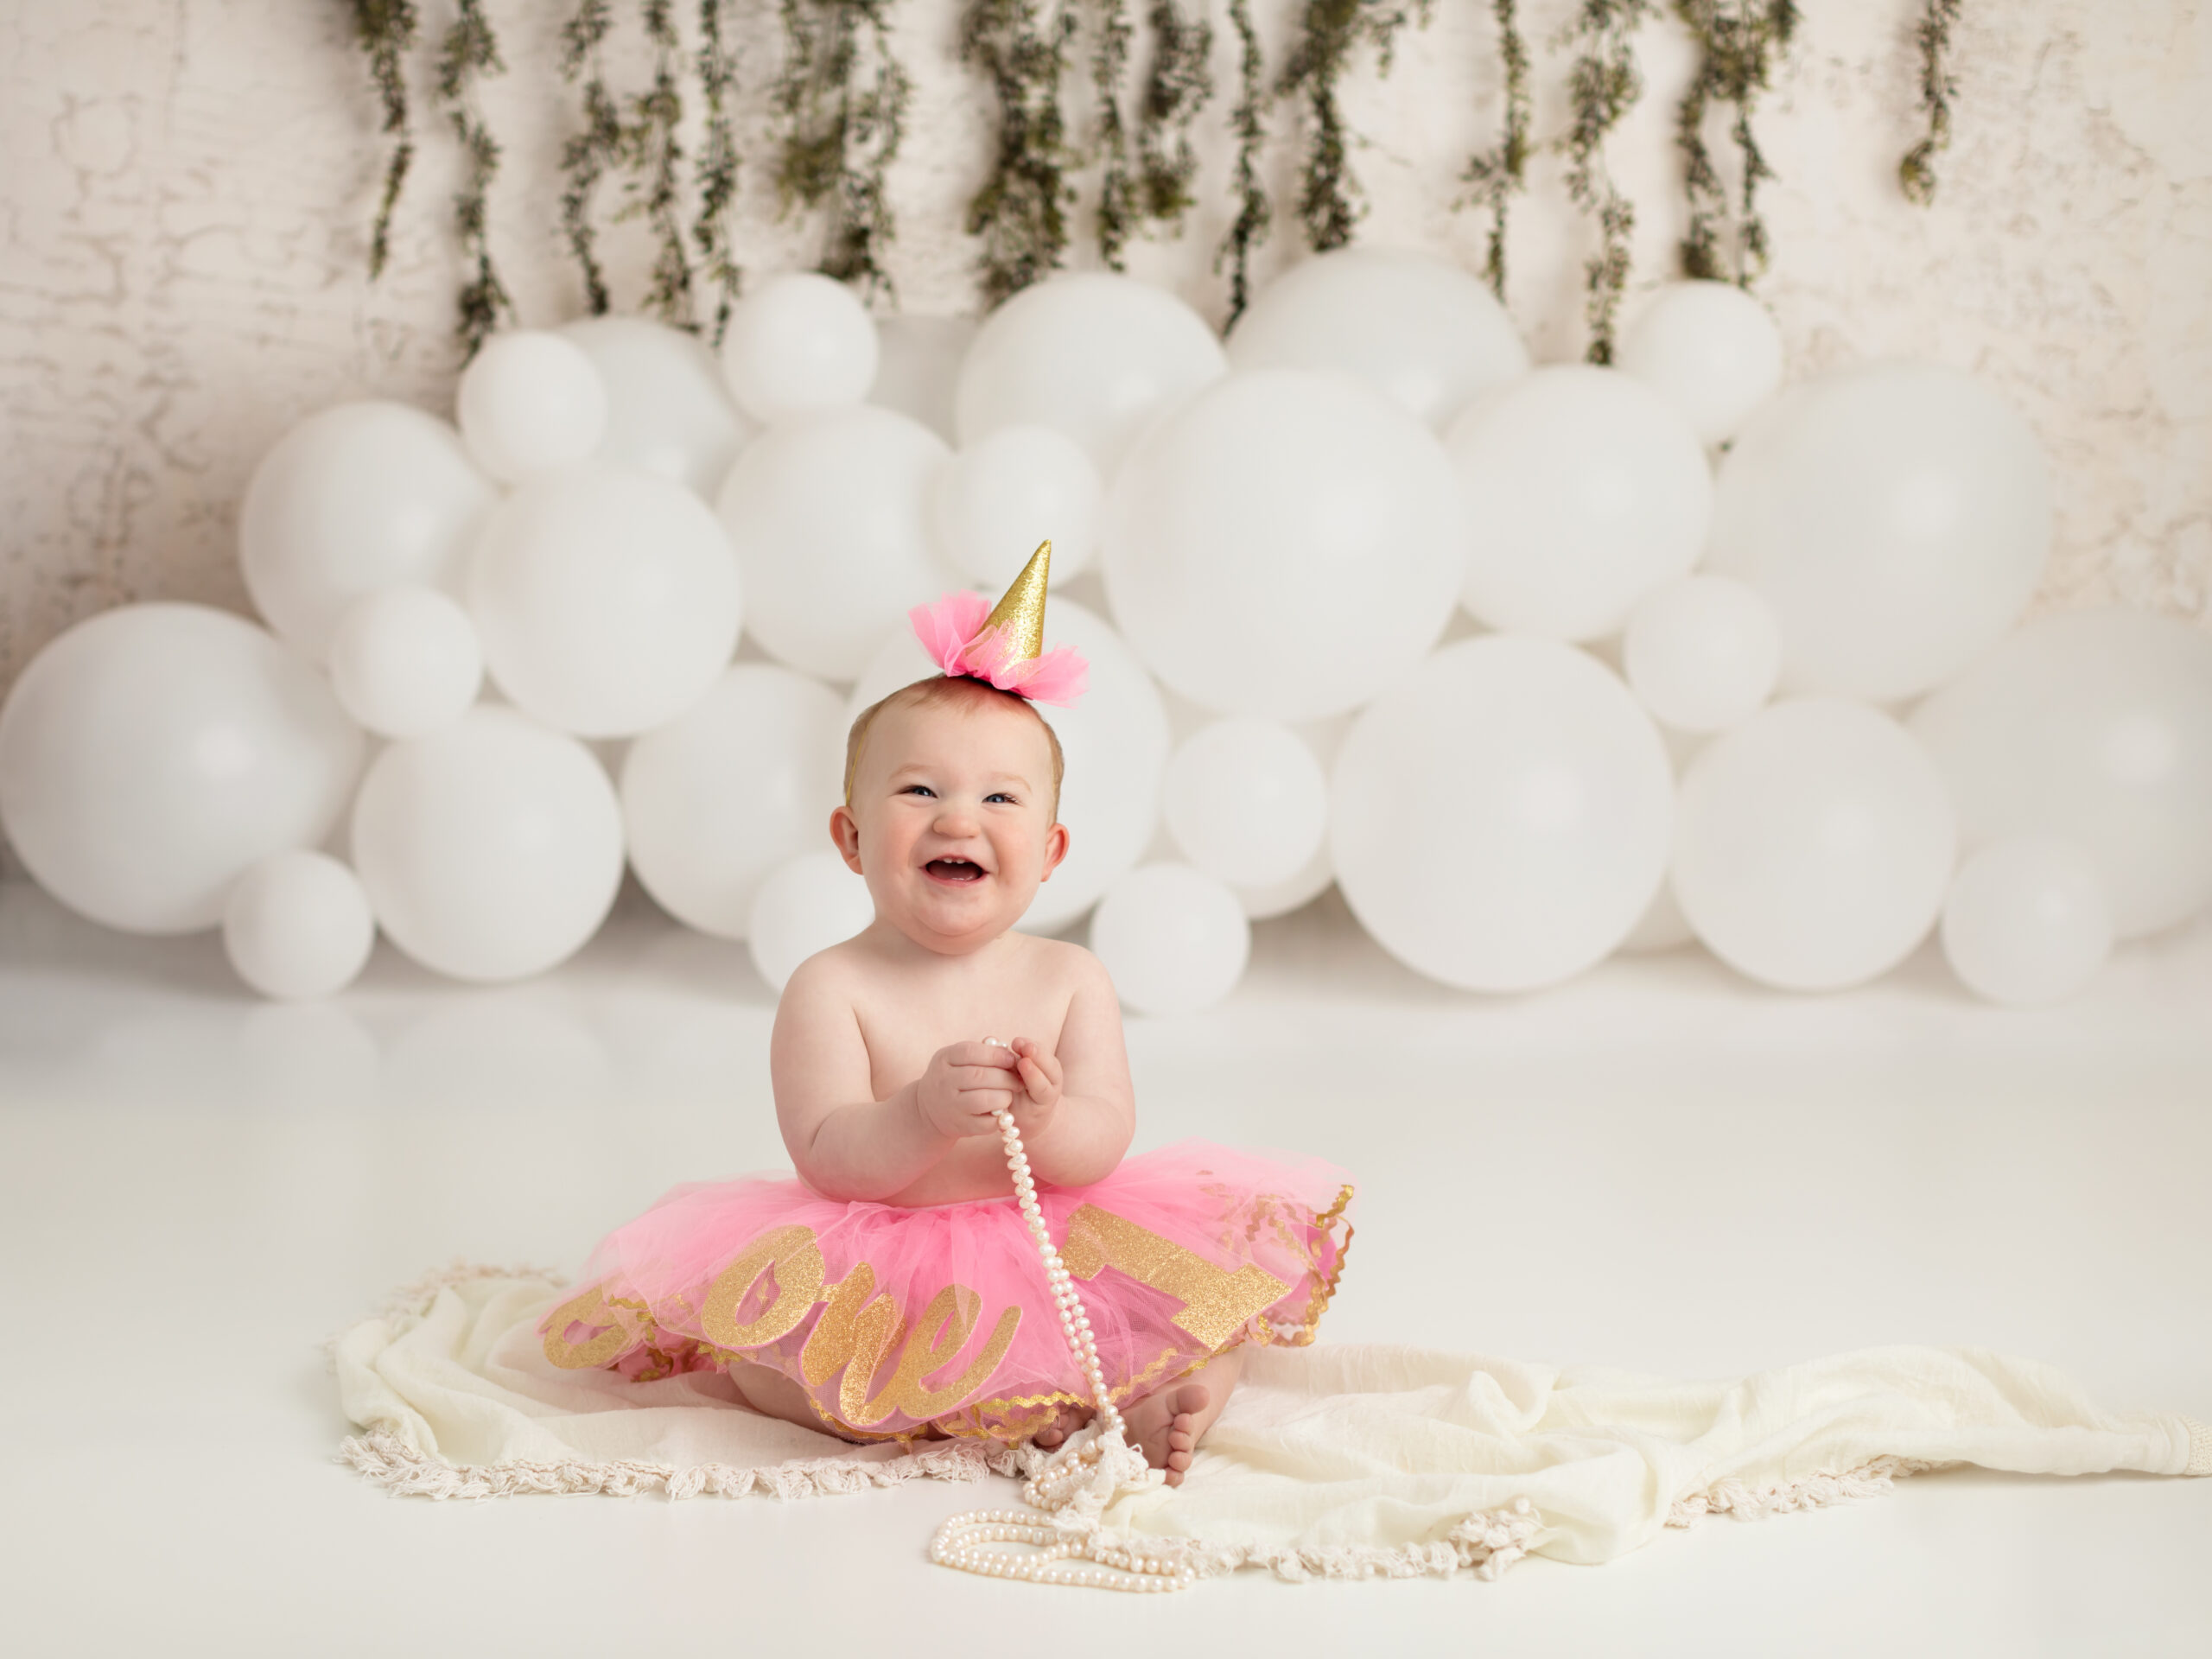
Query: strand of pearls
[{"x": 1056, "y": 1481}]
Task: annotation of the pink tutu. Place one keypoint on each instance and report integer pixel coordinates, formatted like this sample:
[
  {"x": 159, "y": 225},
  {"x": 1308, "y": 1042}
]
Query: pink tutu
[{"x": 898, "y": 1320}]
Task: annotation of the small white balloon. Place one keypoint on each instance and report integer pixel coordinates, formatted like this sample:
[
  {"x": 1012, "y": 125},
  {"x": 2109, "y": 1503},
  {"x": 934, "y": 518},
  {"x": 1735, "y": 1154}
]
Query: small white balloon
[
  {"x": 995, "y": 500},
  {"x": 1419, "y": 329},
  {"x": 738, "y": 785},
  {"x": 798, "y": 341},
  {"x": 1173, "y": 939},
  {"x": 491, "y": 849},
  {"x": 668, "y": 410},
  {"x": 804, "y": 907},
  {"x": 2026, "y": 921},
  {"x": 297, "y": 925},
  {"x": 1708, "y": 348},
  {"x": 1246, "y": 802},
  {"x": 529, "y": 400},
  {"x": 1280, "y": 898},
  {"x": 153, "y": 753},
  {"x": 1702, "y": 651},
  {"x": 1814, "y": 844},
  {"x": 355, "y": 498},
  {"x": 405, "y": 661},
  {"x": 1585, "y": 491},
  {"x": 918, "y": 367},
  {"x": 606, "y": 598}
]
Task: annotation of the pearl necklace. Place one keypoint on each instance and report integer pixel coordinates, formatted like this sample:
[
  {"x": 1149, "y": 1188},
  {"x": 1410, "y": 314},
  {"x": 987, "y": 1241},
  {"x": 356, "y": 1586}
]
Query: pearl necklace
[{"x": 1071, "y": 1469}]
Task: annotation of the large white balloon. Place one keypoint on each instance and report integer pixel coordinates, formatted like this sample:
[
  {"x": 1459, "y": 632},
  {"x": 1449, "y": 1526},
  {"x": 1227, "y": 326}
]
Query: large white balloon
[
  {"x": 1246, "y": 802},
  {"x": 1004, "y": 494},
  {"x": 2095, "y": 726},
  {"x": 1585, "y": 490},
  {"x": 828, "y": 516},
  {"x": 805, "y": 905},
  {"x": 1098, "y": 356},
  {"x": 355, "y": 498},
  {"x": 153, "y": 753},
  {"x": 1709, "y": 349},
  {"x": 738, "y": 783},
  {"x": 1897, "y": 517},
  {"x": 297, "y": 925},
  {"x": 1417, "y": 328},
  {"x": 491, "y": 849},
  {"x": 918, "y": 367},
  {"x": 798, "y": 341},
  {"x": 1173, "y": 939},
  {"x": 529, "y": 400},
  {"x": 1702, "y": 652},
  {"x": 606, "y": 598},
  {"x": 668, "y": 411},
  {"x": 1286, "y": 544},
  {"x": 1814, "y": 844},
  {"x": 2026, "y": 920},
  {"x": 1500, "y": 820},
  {"x": 405, "y": 661}
]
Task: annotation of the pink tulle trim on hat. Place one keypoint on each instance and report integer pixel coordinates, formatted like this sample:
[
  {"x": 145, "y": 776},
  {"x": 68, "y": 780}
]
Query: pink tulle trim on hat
[{"x": 953, "y": 633}]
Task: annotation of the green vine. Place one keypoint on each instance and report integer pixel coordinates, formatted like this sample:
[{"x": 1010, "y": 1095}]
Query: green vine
[
  {"x": 1740, "y": 42},
  {"x": 1329, "y": 198},
  {"x": 1917, "y": 171},
  {"x": 840, "y": 134},
  {"x": 1603, "y": 84},
  {"x": 655, "y": 155},
  {"x": 1022, "y": 212},
  {"x": 1255, "y": 214},
  {"x": 386, "y": 31},
  {"x": 717, "y": 67},
  {"x": 1117, "y": 193},
  {"x": 468, "y": 53},
  {"x": 1176, "y": 88},
  {"x": 586, "y": 156},
  {"x": 1500, "y": 175}
]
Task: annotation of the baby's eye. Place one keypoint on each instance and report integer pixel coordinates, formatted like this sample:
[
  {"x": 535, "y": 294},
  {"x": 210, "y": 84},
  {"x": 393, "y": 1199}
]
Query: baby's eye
[
  {"x": 1002, "y": 795},
  {"x": 919, "y": 789}
]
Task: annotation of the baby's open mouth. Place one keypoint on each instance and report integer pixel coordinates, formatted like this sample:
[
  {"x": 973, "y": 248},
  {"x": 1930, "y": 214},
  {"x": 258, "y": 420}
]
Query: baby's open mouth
[{"x": 958, "y": 871}]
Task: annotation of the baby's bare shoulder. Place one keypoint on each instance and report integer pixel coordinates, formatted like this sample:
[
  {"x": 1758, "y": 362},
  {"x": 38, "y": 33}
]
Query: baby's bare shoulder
[
  {"x": 1056, "y": 962},
  {"x": 827, "y": 980}
]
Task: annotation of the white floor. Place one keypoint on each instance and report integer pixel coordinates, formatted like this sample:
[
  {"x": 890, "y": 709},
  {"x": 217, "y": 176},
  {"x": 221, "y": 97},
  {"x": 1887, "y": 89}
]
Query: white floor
[{"x": 1658, "y": 1167}]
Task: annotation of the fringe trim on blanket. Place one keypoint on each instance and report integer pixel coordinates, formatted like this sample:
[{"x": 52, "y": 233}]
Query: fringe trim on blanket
[
  {"x": 1734, "y": 1498},
  {"x": 406, "y": 1307},
  {"x": 1485, "y": 1543}
]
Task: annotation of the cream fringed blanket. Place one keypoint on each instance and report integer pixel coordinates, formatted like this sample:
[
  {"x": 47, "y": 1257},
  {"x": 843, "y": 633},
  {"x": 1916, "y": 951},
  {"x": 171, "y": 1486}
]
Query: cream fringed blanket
[{"x": 1342, "y": 1461}]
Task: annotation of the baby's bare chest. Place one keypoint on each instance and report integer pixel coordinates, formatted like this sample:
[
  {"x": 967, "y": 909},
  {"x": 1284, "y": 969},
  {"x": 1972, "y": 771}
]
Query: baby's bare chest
[{"x": 903, "y": 1025}]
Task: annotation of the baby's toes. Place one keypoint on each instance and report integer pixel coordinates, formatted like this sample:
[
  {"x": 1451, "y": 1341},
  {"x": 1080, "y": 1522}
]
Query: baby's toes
[
  {"x": 1179, "y": 1438},
  {"x": 1049, "y": 1436}
]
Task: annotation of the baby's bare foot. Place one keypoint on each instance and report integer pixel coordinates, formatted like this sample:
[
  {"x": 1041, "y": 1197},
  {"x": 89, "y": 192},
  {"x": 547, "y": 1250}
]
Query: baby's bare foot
[
  {"x": 1069, "y": 1419},
  {"x": 1164, "y": 1425}
]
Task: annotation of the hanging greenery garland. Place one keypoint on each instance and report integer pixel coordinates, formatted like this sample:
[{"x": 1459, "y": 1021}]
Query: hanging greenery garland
[
  {"x": 1500, "y": 175},
  {"x": 1022, "y": 212},
  {"x": 841, "y": 129},
  {"x": 1741, "y": 42},
  {"x": 710, "y": 230},
  {"x": 1255, "y": 214},
  {"x": 385, "y": 30},
  {"x": 1329, "y": 200},
  {"x": 587, "y": 153},
  {"x": 656, "y": 156},
  {"x": 1178, "y": 85},
  {"x": 468, "y": 53},
  {"x": 1917, "y": 171},
  {"x": 1603, "y": 84},
  {"x": 1110, "y": 64}
]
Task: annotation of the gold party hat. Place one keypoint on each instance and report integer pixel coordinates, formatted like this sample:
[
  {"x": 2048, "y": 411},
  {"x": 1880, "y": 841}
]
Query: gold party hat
[{"x": 1020, "y": 617}]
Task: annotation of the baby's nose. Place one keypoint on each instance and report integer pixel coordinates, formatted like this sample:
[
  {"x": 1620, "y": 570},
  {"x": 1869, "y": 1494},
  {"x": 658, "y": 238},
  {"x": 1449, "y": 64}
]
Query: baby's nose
[{"x": 955, "y": 820}]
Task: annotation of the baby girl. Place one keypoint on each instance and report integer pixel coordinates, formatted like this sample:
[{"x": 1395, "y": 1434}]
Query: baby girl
[{"x": 892, "y": 1290}]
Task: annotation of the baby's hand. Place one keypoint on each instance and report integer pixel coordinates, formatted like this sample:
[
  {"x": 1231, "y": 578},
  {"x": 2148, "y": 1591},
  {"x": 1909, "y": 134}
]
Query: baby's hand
[
  {"x": 962, "y": 1086},
  {"x": 1039, "y": 1074}
]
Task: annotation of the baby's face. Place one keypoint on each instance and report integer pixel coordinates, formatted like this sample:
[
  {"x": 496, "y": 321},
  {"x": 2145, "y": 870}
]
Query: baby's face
[{"x": 951, "y": 820}]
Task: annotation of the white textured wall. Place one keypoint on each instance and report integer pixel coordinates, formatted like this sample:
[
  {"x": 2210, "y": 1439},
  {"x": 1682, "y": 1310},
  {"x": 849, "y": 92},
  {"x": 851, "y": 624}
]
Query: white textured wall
[{"x": 188, "y": 183}]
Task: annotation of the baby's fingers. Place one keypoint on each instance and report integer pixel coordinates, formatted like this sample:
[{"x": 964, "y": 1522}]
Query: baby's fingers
[
  {"x": 996, "y": 1056},
  {"x": 1039, "y": 1082}
]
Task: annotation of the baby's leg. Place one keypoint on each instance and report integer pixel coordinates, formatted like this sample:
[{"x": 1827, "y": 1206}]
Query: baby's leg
[
  {"x": 1168, "y": 1425},
  {"x": 774, "y": 1395}
]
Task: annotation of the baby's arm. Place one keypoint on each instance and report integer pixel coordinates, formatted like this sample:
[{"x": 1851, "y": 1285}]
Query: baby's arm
[{"x": 1075, "y": 1105}]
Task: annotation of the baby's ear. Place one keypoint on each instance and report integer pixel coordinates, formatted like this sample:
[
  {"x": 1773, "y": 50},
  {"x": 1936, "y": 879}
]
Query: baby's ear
[
  {"x": 1056, "y": 849},
  {"x": 845, "y": 834}
]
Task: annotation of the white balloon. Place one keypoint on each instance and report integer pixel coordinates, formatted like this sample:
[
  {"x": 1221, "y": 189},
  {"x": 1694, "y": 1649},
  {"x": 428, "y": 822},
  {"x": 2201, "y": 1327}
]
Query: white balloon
[
  {"x": 1895, "y": 515},
  {"x": 153, "y": 753},
  {"x": 1702, "y": 652},
  {"x": 1661, "y": 927},
  {"x": 1097, "y": 355},
  {"x": 355, "y": 498},
  {"x": 2095, "y": 726},
  {"x": 918, "y": 367},
  {"x": 405, "y": 661},
  {"x": 529, "y": 400},
  {"x": 798, "y": 341},
  {"x": 828, "y": 515},
  {"x": 1285, "y": 544},
  {"x": 1419, "y": 329},
  {"x": 1814, "y": 845},
  {"x": 297, "y": 925},
  {"x": 668, "y": 411},
  {"x": 1500, "y": 820},
  {"x": 606, "y": 598},
  {"x": 1709, "y": 349},
  {"x": 1246, "y": 802},
  {"x": 1280, "y": 898},
  {"x": 2026, "y": 921},
  {"x": 804, "y": 907},
  {"x": 997, "y": 498},
  {"x": 741, "y": 781},
  {"x": 1585, "y": 490},
  {"x": 491, "y": 849},
  {"x": 1173, "y": 939}
]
